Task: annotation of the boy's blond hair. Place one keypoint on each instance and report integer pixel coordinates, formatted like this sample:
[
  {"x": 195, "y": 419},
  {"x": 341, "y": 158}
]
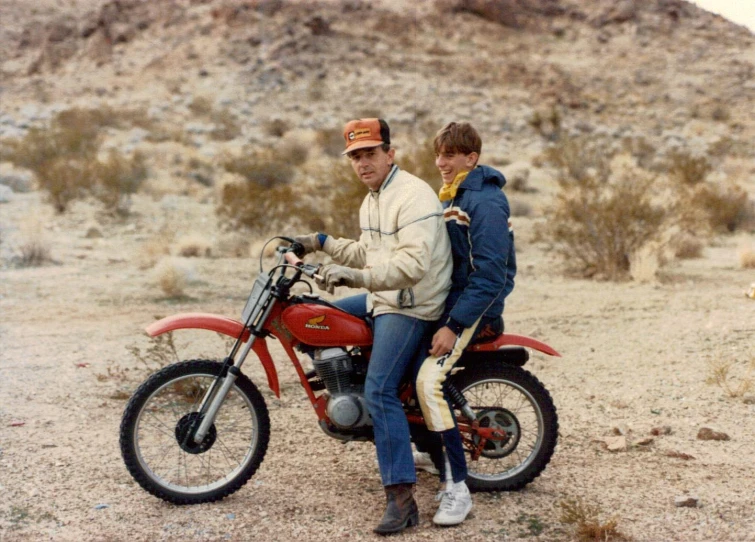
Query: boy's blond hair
[{"x": 457, "y": 137}]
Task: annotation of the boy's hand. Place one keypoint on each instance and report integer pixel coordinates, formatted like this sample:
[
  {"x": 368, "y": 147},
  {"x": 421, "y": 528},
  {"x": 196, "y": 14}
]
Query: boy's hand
[{"x": 443, "y": 341}]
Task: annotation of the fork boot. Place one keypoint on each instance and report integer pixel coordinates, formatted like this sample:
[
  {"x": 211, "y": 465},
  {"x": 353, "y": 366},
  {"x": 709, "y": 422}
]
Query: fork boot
[{"x": 401, "y": 510}]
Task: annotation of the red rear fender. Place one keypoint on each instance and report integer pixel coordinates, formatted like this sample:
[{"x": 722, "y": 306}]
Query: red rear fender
[
  {"x": 219, "y": 324},
  {"x": 509, "y": 339}
]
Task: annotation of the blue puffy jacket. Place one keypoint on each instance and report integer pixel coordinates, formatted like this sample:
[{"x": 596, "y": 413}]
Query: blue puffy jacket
[{"x": 482, "y": 244}]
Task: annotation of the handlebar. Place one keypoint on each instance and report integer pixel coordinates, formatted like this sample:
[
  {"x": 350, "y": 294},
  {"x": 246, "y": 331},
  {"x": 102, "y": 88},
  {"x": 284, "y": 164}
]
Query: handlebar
[{"x": 307, "y": 269}]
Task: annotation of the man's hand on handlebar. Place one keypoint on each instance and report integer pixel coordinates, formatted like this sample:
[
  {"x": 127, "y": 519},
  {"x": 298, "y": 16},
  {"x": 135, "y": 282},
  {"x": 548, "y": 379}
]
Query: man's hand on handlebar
[
  {"x": 310, "y": 242},
  {"x": 337, "y": 275}
]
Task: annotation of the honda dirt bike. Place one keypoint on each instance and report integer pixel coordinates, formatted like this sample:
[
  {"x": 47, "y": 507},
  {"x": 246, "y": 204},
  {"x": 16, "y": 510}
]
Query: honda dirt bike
[{"x": 196, "y": 431}]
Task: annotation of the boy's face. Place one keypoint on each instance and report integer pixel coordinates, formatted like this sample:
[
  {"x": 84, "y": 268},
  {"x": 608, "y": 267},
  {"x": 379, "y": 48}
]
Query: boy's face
[
  {"x": 372, "y": 165},
  {"x": 450, "y": 164}
]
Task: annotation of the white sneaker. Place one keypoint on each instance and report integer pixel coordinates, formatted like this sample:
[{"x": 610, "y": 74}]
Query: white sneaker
[
  {"x": 422, "y": 461},
  {"x": 455, "y": 505}
]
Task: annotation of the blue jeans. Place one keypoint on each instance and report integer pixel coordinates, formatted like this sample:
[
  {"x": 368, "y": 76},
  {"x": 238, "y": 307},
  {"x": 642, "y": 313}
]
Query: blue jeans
[{"x": 396, "y": 338}]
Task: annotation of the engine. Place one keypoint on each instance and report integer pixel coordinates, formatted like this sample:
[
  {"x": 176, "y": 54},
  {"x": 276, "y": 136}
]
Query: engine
[{"x": 343, "y": 375}]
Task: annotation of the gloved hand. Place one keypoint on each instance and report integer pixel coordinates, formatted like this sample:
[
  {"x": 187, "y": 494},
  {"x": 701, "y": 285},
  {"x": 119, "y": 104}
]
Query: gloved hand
[
  {"x": 310, "y": 242},
  {"x": 338, "y": 275}
]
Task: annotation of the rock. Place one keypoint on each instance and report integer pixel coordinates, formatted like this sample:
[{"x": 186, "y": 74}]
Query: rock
[
  {"x": 707, "y": 433},
  {"x": 751, "y": 291},
  {"x": 749, "y": 399},
  {"x": 616, "y": 444},
  {"x": 6, "y": 194},
  {"x": 662, "y": 430},
  {"x": 687, "y": 502},
  {"x": 93, "y": 232},
  {"x": 19, "y": 181}
]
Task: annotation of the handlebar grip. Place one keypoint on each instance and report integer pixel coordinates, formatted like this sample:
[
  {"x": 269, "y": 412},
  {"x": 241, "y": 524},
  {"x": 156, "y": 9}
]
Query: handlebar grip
[{"x": 293, "y": 259}]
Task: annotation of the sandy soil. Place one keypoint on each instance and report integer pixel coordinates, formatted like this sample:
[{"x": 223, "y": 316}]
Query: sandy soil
[{"x": 635, "y": 357}]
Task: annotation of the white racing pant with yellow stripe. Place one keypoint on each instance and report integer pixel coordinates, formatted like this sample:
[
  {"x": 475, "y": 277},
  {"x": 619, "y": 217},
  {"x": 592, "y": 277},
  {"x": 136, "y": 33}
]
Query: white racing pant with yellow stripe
[{"x": 430, "y": 380}]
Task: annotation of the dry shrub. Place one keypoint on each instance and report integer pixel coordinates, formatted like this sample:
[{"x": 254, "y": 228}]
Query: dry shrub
[
  {"x": 117, "y": 178},
  {"x": 747, "y": 258},
  {"x": 337, "y": 195},
  {"x": 64, "y": 157},
  {"x": 597, "y": 226},
  {"x": 503, "y": 12},
  {"x": 420, "y": 161},
  {"x": 193, "y": 246},
  {"x": 331, "y": 141},
  {"x": 581, "y": 159},
  {"x": 719, "y": 374},
  {"x": 726, "y": 207},
  {"x": 687, "y": 168},
  {"x": 154, "y": 249},
  {"x": 264, "y": 201},
  {"x": 276, "y": 127},
  {"x": 585, "y": 519},
  {"x": 686, "y": 246},
  {"x": 293, "y": 151},
  {"x": 547, "y": 123},
  {"x": 227, "y": 126},
  {"x": 171, "y": 278},
  {"x": 201, "y": 106},
  {"x": 34, "y": 247}
]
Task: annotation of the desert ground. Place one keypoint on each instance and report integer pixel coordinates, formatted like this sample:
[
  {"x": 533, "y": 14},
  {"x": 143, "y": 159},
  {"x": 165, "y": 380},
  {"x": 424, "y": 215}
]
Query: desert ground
[{"x": 634, "y": 384}]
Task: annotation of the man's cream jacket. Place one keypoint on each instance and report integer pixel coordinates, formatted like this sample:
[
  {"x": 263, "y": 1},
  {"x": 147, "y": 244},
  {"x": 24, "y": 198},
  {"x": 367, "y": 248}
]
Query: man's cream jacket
[{"x": 403, "y": 248}]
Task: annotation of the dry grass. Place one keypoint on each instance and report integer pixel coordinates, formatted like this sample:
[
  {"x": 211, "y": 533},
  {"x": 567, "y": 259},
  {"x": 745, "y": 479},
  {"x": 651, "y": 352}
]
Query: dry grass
[
  {"x": 331, "y": 141},
  {"x": 719, "y": 374},
  {"x": 154, "y": 249},
  {"x": 747, "y": 257},
  {"x": 34, "y": 249},
  {"x": 585, "y": 519},
  {"x": 194, "y": 246},
  {"x": 171, "y": 278}
]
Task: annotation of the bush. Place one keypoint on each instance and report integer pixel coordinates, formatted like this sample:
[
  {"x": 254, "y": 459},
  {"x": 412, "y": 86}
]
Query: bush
[
  {"x": 421, "y": 162},
  {"x": 686, "y": 168},
  {"x": 64, "y": 158},
  {"x": 264, "y": 201},
  {"x": 726, "y": 208},
  {"x": 336, "y": 197},
  {"x": 597, "y": 226},
  {"x": 117, "y": 178},
  {"x": 581, "y": 159}
]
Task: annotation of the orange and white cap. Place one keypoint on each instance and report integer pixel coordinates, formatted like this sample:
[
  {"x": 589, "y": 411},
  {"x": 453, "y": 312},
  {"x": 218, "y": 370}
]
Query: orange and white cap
[{"x": 365, "y": 133}]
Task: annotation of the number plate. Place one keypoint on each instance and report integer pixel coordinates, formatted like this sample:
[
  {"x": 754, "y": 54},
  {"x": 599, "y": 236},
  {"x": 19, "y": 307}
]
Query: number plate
[{"x": 256, "y": 298}]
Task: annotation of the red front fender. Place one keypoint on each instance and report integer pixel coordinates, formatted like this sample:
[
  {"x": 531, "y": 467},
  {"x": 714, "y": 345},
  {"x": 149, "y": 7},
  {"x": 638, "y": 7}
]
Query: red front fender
[
  {"x": 509, "y": 339},
  {"x": 219, "y": 324}
]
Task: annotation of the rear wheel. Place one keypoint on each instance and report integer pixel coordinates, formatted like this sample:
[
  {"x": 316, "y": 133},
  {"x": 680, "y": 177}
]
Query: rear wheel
[
  {"x": 511, "y": 399},
  {"x": 158, "y": 422}
]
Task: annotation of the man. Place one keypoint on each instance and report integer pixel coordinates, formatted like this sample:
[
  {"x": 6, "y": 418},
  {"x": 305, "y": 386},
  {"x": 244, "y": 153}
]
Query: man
[
  {"x": 403, "y": 259},
  {"x": 477, "y": 214}
]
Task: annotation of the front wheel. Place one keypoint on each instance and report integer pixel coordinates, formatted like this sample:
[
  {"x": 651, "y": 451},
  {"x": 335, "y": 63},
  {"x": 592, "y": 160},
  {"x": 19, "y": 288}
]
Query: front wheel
[
  {"x": 157, "y": 425},
  {"x": 513, "y": 400}
]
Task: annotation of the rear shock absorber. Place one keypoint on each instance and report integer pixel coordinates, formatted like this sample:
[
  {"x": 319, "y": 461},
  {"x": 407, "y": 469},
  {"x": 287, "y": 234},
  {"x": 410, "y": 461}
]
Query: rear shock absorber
[{"x": 459, "y": 401}]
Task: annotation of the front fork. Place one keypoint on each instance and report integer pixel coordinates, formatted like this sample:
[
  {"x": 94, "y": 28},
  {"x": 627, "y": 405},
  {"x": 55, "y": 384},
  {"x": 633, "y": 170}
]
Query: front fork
[{"x": 217, "y": 393}]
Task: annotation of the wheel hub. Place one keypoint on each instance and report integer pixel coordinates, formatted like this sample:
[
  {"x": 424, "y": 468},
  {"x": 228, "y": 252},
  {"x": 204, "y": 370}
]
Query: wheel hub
[
  {"x": 504, "y": 420},
  {"x": 185, "y": 430}
]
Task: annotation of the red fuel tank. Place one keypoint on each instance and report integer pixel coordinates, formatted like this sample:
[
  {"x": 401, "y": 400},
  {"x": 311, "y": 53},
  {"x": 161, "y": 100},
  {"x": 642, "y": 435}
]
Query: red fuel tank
[{"x": 320, "y": 325}]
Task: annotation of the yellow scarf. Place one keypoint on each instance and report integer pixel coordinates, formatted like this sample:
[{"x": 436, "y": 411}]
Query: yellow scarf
[{"x": 448, "y": 191}]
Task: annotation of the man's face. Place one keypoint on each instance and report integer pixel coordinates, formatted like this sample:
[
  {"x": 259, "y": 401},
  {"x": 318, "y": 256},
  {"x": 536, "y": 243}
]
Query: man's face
[
  {"x": 450, "y": 164},
  {"x": 372, "y": 165}
]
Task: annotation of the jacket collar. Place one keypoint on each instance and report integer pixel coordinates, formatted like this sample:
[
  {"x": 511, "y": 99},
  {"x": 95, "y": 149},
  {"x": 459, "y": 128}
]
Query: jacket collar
[
  {"x": 481, "y": 175},
  {"x": 389, "y": 179}
]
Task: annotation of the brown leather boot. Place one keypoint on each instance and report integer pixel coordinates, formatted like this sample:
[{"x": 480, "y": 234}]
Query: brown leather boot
[{"x": 401, "y": 510}]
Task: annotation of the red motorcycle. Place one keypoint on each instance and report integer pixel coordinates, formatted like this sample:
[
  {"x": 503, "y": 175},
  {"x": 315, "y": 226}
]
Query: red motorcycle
[{"x": 197, "y": 430}]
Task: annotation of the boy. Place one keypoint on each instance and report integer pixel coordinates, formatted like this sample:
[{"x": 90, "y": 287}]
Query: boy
[{"x": 476, "y": 213}]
